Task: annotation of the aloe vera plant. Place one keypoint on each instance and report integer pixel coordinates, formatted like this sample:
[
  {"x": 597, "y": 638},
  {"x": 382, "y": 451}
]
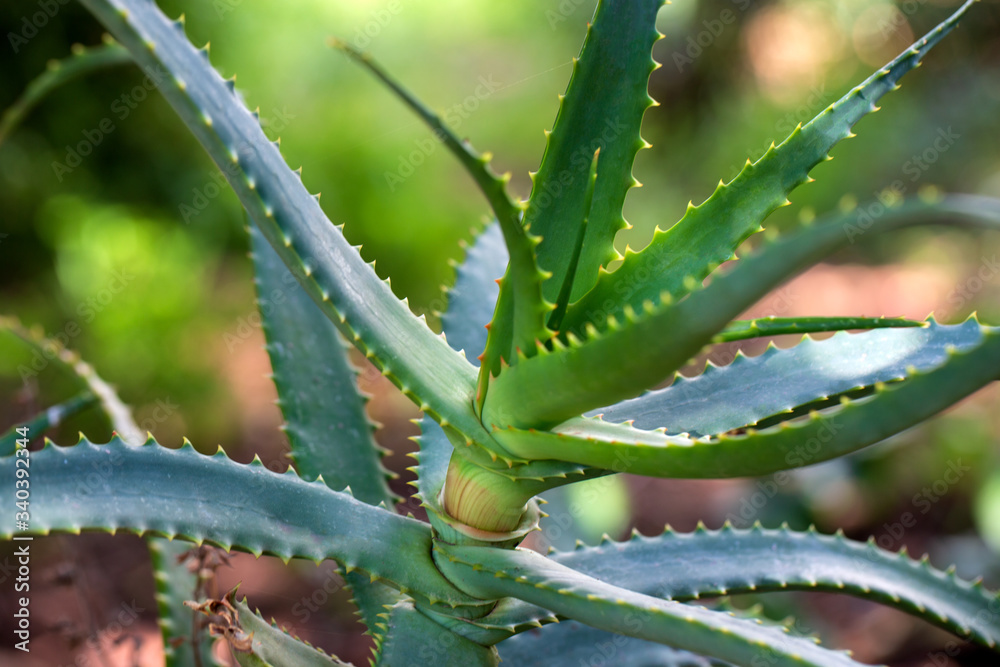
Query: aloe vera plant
[{"x": 554, "y": 390}]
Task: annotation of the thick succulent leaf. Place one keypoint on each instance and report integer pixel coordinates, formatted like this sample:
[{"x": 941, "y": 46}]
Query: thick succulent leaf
[
  {"x": 325, "y": 420},
  {"x": 84, "y": 60},
  {"x": 472, "y": 299},
  {"x": 412, "y": 638},
  {"x": 540, "y": 645},
  {"x": 538, "y": 580},
  {"x": 572, "y": 643},
  {"x": 494, "y": 628},
  {"x": 677, "y": 260},
  {"x": 751, "y": 389},
  {"x": 173, "y": 615},
  {"x": 331, "y": 271},
  {"x": 256, "y": 643},
  {"x": 43, "y": 421},
  {"x": 685, "y": 566},
  {"x": 562, "y": 301},
  {"x": 470, "y": 305},
  {"x": 371, "y": 599},
  {"x": 328, "y": 430},
  {"x": 780, "y": 326},
  {"x": 183, "y": 494},
  {"x": 432, "y": 460},
  {"x": 512, "y": 332},
  {"x": 819, "y": 437},
  {"x": 513, "y": 616},
  {"x": 170, "y": 574},
  {"x": 520, "y": 321},
  {"x": 175, "y": 585},
  {"x": 644, "y": 350},
  {"x": 471, "y": 302},
  {"x": 602, "y": 109},
  {"x": 275, "y": 647}
]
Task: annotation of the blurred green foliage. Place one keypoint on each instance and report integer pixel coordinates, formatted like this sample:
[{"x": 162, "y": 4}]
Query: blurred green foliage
[{"x": 144, "y": 252}]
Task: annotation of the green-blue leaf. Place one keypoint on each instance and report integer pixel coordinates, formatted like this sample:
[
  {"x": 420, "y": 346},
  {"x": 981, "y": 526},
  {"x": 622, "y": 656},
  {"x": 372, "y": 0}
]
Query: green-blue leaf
[
  {"x": 677, "y": 260},
  {"x": 491, "y": 572},
  {"x": 750, "y": 389},
  {"x": 184, "y": 494},
  {"x": 325, "y": 420},
  {"x": 686, "y": 566}
]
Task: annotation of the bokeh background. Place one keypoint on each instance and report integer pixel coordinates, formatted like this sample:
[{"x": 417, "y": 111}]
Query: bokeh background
[{"x": 139, "y": 258}]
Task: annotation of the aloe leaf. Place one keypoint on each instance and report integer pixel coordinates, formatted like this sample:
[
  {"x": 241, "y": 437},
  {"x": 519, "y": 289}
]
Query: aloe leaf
[
  {"x": 183, "y": 634},
  {"x": 778, "y": 381},
  {"x": 513, "y": 617},
  {"x": 656, "y": 342},
  {"x": 728, "y": 561},
  {"x": 538, "y": 580},
  {"x": 471, "y": 302},
  {"x": 186, "y": 495},
  {"x": 470, "y": 305},
  {"x": 515, "y": 330},
  {"x": 256, "y": 643},
  {"x": 45, "y": 420},
  {"x": 411, "y": 638},
  {"x": 330, "y": 270},
  {"x": 516, "y": 617},
  {"x": 572, "y": 643},
  {"x": 602, "y": 109},
  {"x": 677, "y": 260},
  {"x": 779, "y": 326},
  {"x": 432, "y": 460},
  {"x": 477, "y": 165},
  {"x": 522, "y": 320},
  {"x": 494, "y": 628},
  {"x": 325, "y": 420},
  {"x": 173, "y": 615},
  {"x": 84, "y": 60},
  {"x": 537, "y": 626},
  {"x": 472, "y": 299},
  {"x": 328, "y": 430},
  {"x": 371, "y": 599},
  {"x": 838, "y": 431},
  {"x": 562, "y": 301}
]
